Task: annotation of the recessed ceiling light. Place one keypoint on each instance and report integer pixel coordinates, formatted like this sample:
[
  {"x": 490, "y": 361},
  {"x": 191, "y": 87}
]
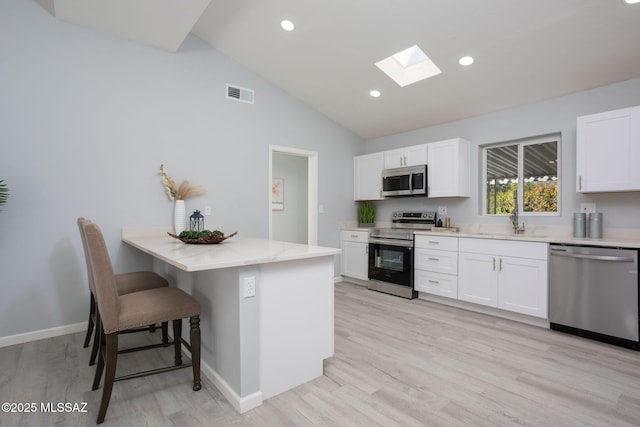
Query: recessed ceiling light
[
  {"x": 375, "y": 93},
  {"x": 287, "y": 25},
  {"x": 408, "y": 66},
  {"x": 466, "y": 60}
]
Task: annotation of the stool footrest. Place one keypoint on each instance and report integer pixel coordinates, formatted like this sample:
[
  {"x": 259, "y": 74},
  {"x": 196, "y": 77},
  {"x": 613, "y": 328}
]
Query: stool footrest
[
  {"x": 152, "y": 371},
  {"x": 144, "y": 347}
]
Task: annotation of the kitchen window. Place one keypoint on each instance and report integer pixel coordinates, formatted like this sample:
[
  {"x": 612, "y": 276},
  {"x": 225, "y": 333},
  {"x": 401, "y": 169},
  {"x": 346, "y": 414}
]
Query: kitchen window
[{"x": 522, "y": 173}]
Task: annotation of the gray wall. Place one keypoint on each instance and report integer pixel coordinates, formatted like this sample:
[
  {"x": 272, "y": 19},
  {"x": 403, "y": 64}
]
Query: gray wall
[
  {"x": 290, "y": 224},
  {"x": 85, "y": 122},
  {"x": 552, "y": 116}
]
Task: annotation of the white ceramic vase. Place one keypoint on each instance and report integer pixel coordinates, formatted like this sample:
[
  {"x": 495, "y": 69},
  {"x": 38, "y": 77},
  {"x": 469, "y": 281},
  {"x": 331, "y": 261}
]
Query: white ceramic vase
[{"x": 179, "y": 217}]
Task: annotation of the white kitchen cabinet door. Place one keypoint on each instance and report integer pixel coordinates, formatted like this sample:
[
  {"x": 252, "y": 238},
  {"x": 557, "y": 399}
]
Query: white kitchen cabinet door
[
  {"x": 367, "y": 176},
  {"x": 394, "y": 158},
  {"x": 355, "y": 260},
  {"x": 406, "y": 156},
  {"x": 355, "y": 254},
  {"x": 448, "y": 168},
  {"x": 478, "y": 278},
  {"x": 523, "y": 286},
  {"x": 607, "y": 151}
]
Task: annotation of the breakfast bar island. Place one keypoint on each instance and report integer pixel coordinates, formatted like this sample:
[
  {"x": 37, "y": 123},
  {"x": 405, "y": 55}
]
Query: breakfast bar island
[{"x": 267, "y": 319}]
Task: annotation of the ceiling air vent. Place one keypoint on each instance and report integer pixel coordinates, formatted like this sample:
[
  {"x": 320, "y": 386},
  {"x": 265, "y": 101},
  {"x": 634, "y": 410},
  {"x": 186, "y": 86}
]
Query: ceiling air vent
[{"x": 239, "y": 94}]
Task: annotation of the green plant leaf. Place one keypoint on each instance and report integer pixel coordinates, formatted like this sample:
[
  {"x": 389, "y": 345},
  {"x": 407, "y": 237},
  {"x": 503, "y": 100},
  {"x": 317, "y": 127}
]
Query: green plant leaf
[{"x": 366, "y": 213}]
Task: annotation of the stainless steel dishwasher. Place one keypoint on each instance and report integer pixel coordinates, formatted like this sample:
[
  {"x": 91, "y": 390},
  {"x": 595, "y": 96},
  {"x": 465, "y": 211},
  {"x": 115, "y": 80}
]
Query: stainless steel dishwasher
[{"x": 593, "y": 292}]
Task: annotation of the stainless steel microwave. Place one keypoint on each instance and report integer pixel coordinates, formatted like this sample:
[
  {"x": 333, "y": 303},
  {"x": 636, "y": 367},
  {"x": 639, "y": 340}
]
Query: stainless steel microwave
[{"x": 405, "y": 181}]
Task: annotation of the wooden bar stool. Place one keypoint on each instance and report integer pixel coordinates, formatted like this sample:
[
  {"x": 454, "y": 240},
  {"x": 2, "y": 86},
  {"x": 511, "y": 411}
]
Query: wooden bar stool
[
  {"x": 126, "y": 284},
  {"x": 120, "y": 313}
]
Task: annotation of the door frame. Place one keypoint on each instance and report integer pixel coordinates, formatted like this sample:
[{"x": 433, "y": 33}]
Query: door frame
[{"x": 312, "y": 191}]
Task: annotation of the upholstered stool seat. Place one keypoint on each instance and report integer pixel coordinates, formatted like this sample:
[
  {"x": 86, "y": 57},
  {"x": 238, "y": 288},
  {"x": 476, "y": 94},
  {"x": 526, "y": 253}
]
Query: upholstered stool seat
[
  {"x": 119, "y": 313},
  {"x": 155, "y": 305}
]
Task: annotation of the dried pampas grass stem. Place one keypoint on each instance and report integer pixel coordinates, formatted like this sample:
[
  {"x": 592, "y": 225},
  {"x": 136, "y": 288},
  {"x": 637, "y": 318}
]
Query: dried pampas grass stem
[{"x": 186, "y": 190}]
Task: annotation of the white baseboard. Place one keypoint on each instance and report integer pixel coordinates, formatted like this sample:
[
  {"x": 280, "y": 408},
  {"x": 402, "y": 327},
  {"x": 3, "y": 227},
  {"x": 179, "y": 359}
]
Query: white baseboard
[
  {"x": 42, "y": 334},
  {"x": 240, "y": 404}
]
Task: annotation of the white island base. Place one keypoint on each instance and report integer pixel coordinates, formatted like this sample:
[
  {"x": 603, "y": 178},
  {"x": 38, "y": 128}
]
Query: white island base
[{"x": 254, "y": 347}]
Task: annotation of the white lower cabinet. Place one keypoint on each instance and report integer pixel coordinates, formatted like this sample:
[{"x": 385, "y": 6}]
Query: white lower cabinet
[
  {"x": 436, "y": 265},
  {"x": 355, "y": 254},
  {"x": 504, "y": 274},
  {"x": 478, "y": 279},
  {"x": 522, "y": 286}
]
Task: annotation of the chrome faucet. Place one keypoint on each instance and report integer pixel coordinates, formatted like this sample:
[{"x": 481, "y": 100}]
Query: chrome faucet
[{"x": 517, "y": 229}]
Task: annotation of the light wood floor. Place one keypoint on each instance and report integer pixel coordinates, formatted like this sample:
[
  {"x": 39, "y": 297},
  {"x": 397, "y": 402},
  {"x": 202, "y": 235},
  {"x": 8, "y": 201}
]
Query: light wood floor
[{"x": 396, "y": 363}]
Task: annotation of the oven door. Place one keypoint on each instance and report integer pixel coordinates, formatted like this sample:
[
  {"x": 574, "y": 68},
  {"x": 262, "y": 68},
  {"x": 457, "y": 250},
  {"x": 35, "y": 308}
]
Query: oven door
[{"x": 391, "y": 261}]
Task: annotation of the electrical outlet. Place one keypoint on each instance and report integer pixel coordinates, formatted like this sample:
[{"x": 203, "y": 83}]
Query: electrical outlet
[
  {"x": 249, "y": 287},
  {"x": 442, "y": 210},
  {"x": 207, "y": 210},
  {"x": 587, "y": 207}
]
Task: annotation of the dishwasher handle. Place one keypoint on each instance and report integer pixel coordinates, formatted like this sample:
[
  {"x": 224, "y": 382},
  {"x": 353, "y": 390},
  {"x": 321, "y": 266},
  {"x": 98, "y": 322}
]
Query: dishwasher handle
[{"x": 564, "y": 253}]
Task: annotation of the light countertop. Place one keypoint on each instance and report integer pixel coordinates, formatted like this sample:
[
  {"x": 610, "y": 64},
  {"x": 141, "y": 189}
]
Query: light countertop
[
  {"x": 622, "y": 242},
  {"x": 623, "y": 238},
  {"x": 233, "y": 252}
]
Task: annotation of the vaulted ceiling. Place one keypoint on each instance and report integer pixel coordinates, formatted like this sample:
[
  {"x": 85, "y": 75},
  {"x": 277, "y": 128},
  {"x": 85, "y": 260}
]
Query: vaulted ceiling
[{"x": 525, "y": 50}]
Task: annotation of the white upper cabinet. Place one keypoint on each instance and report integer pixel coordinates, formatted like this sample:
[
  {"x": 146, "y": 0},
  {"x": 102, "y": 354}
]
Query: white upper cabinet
[
  {"x": 407, "y": 156},
  {"x": 448, "y": 168},
  {"x": 607, "y": 151},
  {"x": 367, "y": 176}
]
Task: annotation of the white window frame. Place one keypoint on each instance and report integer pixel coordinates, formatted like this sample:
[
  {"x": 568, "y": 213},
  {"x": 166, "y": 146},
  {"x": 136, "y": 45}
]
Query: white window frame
[{"x": 521, "y": 143}]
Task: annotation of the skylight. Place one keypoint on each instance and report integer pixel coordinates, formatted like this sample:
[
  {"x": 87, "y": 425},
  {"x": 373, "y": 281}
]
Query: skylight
[{"x": 408, "y": 66}]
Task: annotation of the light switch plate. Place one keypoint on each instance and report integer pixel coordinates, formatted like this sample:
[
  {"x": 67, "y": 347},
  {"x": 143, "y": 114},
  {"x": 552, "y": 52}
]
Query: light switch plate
[{"x": 587, "y": 207}]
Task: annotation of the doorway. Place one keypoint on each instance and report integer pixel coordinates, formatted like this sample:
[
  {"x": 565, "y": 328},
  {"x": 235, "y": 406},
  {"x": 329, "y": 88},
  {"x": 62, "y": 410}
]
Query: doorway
[{"x": 293, "y": 195}]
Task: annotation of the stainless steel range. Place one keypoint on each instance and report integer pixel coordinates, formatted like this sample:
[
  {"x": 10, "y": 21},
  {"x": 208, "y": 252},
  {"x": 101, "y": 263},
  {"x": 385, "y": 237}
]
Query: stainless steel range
[{"x": 391, "y": 253}]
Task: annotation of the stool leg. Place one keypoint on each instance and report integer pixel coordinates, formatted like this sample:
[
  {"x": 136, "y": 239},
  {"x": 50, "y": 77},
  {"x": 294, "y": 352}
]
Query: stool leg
[
  {"x": 96, "y": 340},
  {"x": 195, "y": 351},
  {"x": 110, "y": 374},
  {"x": 177, "y": 341},
  {"x": 165, "y": 334},
  {"x": 99, "y": 338},
  {"x": 92, "y": 313}
]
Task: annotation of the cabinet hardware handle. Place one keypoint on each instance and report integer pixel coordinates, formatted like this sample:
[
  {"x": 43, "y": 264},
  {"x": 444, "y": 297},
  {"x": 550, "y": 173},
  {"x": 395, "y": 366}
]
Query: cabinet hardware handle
[
  {"x": 366, "y": 249},
  {"x": 500, "y": 264},
  {"x": 434, "y": 259},
  {"x": 579, "y": 182},
  {"x": 354, "y": 235},
  {"x": 433, "y": 281},
  {"x": 432, "y": 242},
  {"x": 494, "y": 264}
]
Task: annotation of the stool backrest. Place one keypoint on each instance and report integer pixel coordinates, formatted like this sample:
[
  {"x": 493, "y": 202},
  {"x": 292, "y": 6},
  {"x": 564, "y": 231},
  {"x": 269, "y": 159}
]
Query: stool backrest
[
  {"x": 81, "y": 222},
  {"x": 103, "y": 277}
]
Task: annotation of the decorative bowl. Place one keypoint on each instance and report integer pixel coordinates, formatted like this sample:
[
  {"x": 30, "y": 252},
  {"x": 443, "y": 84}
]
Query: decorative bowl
[{"x": 208, "y": 240}]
